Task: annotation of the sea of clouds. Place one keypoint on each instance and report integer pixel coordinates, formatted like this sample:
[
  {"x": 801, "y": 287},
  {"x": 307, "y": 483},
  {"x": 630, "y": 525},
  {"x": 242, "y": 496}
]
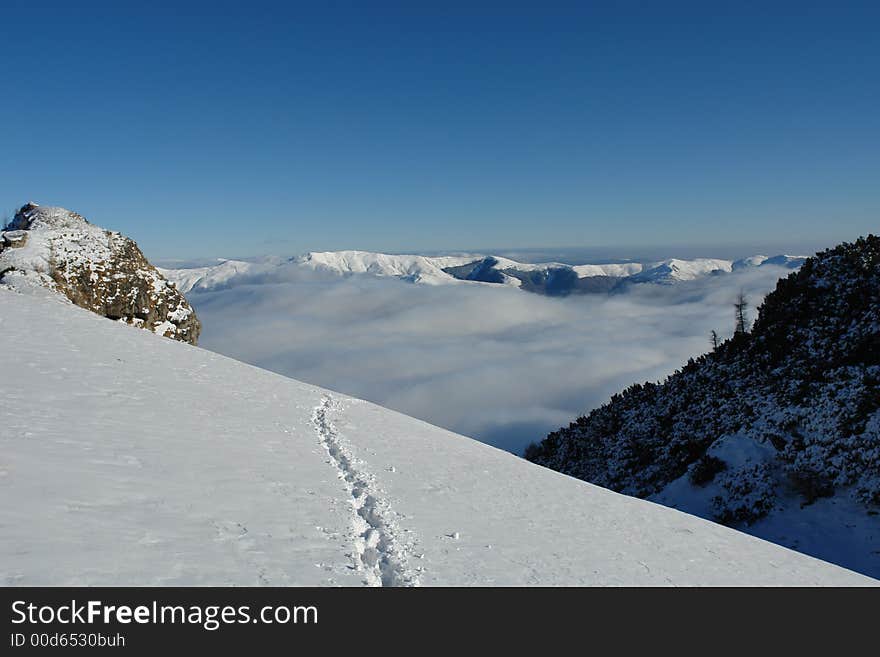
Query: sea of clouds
[{"x": 492, "y": 362}]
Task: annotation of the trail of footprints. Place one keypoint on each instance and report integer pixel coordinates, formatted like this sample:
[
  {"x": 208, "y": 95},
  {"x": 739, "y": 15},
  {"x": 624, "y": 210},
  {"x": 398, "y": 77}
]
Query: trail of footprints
[{"x": 378, "y": 550}]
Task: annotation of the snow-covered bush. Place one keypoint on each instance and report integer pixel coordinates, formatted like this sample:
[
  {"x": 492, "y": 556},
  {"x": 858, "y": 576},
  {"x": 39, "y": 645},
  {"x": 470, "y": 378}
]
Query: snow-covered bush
[
  {"x": 747, "y": 494},
  {"x": 704, "y": 469}
]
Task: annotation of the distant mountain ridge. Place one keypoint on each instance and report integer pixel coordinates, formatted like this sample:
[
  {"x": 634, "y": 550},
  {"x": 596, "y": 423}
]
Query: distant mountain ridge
[
  {"x": 551, "y": 278},
  {"x": 50, "y": 248},
  {"x": 776, "y": 431}
]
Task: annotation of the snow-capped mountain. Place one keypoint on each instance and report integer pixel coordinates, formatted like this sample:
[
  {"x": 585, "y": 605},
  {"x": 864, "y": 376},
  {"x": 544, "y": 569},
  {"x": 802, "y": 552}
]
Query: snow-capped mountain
[
  {"x": 788, "y": 261},
  {"x": 776, "y": 431},
  {"x": 137, "y": 460},
  {"x": 49, "y": 248},
  {"x": 418, "y": 269},
  {"x": 211, "y": 277},
  {"x": 551, "y": 278},
  {"x": 682, "y": 270}
]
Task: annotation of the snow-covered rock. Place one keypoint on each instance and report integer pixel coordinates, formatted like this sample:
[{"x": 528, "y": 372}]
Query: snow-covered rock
[
  {"x": 49, "y": 248},
  {"x": 130, "y": 460}
]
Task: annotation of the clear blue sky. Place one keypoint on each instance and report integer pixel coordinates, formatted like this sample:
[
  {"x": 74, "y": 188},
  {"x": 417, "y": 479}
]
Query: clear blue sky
[{"x": 250, "y": 127}]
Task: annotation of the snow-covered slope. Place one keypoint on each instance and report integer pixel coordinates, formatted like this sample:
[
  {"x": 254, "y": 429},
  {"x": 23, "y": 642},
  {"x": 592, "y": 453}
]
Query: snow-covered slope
[
  {"x": 775, "y": 431},
  {"x": 129, "y": 459},
  {"x": 462, "y": 269}
]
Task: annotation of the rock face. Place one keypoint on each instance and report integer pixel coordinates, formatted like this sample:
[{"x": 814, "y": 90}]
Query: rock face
[{"x": 100, "y": 270}]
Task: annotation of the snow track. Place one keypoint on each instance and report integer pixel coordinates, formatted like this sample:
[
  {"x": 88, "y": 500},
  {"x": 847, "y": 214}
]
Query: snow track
[{"x": 378, "y": 550}]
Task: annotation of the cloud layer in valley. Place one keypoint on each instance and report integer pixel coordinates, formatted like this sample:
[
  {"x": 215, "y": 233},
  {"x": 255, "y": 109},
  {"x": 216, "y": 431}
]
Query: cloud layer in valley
[{"x": 491, "y": 362}]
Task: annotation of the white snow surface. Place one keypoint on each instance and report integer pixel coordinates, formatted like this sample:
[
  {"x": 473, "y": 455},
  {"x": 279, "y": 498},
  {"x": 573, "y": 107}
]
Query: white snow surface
[
  {"x": 429, "y": 270},
  {"x": 128, "y": 459}
]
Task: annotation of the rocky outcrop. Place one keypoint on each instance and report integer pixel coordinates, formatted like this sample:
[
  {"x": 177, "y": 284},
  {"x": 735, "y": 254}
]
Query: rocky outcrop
[
  {"x": 100, "y": 270},
  {"x": 13, "y": 239}
]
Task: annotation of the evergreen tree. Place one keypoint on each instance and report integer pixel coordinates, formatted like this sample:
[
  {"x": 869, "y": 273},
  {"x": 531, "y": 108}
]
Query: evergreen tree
[{"x": 741, "y": 306}]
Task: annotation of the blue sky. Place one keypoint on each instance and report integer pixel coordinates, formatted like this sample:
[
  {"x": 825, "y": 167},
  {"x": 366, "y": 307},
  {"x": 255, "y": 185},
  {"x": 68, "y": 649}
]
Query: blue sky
[{"x": 243, "y": 128}]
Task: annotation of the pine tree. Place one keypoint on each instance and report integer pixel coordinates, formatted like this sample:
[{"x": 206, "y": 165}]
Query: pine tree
[{"x": 741, "y": 306}]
